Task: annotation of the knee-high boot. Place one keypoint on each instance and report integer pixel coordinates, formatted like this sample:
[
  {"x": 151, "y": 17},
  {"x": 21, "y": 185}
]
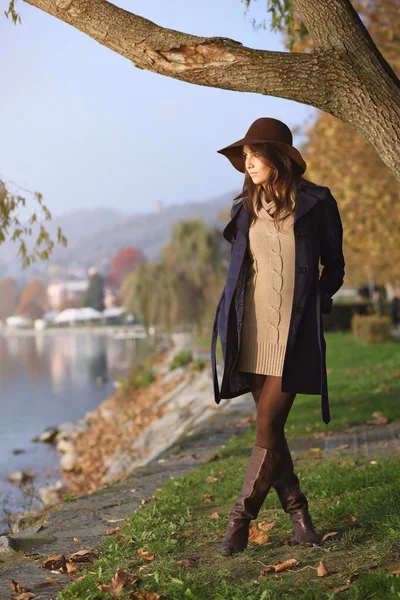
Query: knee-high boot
[
  {"x": 263, "y": 469},
  {"x": 294, "y": 502}
]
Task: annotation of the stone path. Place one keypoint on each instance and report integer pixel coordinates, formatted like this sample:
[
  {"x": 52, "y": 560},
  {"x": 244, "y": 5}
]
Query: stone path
[{"x": 90, "y": 516}]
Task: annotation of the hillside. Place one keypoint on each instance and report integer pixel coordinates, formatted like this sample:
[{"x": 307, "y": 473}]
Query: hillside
[{"x": 94, "y": 236}]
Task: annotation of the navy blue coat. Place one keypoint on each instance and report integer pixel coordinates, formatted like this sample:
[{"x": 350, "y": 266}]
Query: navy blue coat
[{"x": 318, "y": 239}]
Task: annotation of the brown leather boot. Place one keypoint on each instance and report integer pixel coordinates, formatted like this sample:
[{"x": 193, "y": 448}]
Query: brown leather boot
[
  {"x": 294, "y": 502},
  {"x": 262, "y": 471}
]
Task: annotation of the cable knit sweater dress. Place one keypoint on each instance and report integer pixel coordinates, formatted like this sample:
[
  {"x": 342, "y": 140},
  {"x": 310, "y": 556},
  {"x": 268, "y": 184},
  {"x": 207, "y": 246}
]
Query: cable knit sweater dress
[{"x": 268, "y": 295}]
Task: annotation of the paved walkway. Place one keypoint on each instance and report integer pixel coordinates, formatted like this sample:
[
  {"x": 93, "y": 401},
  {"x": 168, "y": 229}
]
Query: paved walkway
[{"x": 89, "y": 517}]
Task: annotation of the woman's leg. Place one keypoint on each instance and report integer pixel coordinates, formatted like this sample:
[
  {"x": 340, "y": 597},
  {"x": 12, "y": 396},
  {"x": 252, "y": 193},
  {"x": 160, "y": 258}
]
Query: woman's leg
[{"x": 273, "y": 408}]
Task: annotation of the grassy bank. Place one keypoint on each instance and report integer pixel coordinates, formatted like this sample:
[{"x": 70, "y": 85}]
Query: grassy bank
[
  {"x": 172, "y": 544},
  {"x": 359, "y": 501}
]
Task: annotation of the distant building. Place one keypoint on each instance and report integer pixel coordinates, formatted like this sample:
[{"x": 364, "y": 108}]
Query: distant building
[{"x": 66, "y": 293}]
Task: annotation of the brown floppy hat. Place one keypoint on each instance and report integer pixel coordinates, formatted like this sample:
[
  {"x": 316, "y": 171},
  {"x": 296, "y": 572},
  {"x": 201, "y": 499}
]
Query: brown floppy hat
[{"x": 265, "y": 129}]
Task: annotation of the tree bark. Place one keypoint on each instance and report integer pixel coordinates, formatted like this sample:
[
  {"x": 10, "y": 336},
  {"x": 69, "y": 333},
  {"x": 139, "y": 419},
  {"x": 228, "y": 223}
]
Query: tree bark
[{"x": 345, "y": 75}]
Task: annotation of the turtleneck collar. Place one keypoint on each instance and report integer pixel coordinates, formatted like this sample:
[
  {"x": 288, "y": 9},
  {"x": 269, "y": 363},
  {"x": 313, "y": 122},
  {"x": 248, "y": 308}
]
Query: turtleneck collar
[{"x": 268, "y": 209}]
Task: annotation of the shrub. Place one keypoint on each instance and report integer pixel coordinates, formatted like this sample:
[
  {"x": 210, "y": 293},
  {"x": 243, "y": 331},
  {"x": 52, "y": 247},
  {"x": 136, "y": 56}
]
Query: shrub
[
  {"x": 373, "y": 329},
  {"x": 198, "y": 365},
  {"x": 182, "y": 358},
  {"x": 141, "y": 376}
]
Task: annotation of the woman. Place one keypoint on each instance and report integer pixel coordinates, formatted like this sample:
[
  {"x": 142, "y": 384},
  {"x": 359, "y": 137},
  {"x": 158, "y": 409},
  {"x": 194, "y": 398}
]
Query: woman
[{"x": 269, "y": 314}]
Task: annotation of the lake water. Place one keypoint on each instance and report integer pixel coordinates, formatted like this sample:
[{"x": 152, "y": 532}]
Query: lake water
[{"x": 46, "y": 379}]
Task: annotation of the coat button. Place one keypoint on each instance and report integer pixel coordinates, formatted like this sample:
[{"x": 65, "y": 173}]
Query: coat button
[
  {"x": 298, "y": 309},
  {"x": 302, "y": 269},
  {"x": 300, "y": 233}
]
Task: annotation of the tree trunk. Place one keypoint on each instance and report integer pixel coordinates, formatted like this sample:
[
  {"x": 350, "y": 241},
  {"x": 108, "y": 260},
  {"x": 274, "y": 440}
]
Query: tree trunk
[{"x": 345, "y": 75}]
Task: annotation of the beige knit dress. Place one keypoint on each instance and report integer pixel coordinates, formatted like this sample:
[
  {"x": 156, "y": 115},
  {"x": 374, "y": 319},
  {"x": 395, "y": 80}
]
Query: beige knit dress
[{"x": 268, "y": 295}]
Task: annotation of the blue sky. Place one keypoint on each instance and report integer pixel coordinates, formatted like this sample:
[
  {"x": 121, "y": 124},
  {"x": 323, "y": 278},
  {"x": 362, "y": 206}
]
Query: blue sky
[{"x": 86, "y": 128}]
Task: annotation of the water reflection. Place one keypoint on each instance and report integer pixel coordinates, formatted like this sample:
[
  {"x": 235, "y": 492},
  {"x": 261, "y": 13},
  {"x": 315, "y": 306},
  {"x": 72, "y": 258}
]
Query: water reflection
[{"x": 48, "y": 378}]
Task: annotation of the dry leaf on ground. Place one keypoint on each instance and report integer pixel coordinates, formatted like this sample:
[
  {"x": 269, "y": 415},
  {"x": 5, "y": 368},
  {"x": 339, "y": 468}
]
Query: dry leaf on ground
[
  {"x": 85, "y": 555},
  {"x": 282, "y": 566},
  {"x": 24, "y": 596},
  {"x": 121, "y": 583},
  {"x": 350, "y": 518},
  {"x": 54, "y": 562},
  {"x": 186, "y": 562},
  {"x": 18, "y": 588},
  {"x": 144, "y": 595},
  {"x": 211, "y": 479},
  {"x": 322, "y": 570},
  {"x": 328, "y": 535},
  {"x": 215, "y": 515},
  {"x": 266, "y": 525},
  {"x": 112, "y": 530},
  {"x": 341, "y": 588},
  {"x": 207, "y": 498},
  {"x": 257, "y": 537},
  {"x": 144, "y": 554}
]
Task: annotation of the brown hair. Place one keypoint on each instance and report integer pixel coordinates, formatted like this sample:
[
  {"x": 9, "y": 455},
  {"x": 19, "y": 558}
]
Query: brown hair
[{"x": 283, "y": 181}]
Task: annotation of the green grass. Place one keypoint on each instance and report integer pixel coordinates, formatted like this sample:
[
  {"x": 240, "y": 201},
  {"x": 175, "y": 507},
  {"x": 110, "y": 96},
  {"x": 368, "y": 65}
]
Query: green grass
[{"x": 176, "y": 525}]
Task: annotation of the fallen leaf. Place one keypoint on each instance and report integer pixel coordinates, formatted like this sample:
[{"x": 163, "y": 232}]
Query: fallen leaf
[
  {"x": 24, "y": 596},
  {"x": 328, "y": 584},
  {"x": 315, "y": 449},
  {"x": 281, "y": 566},
  {"x": 71, "y": 567},
  {"x": 186, "y": 562},
  {"x": 341, "y": 588},
  {"x": 216, "y": 456},
  {"x": 350, "y": 518},
  {"x": 144, "y": 554},
  {"x": 342, "y": 446},
  {"x": 327, "y": 535},
  {"x": 112, "y": 530},
  {"x": 18, "y": 588},
  {"x": 211, "y": 479},
  {"x": 215, "y": 515},
  {"x": 394, "y": 572},
  {"x": 207, "y": 498},
  {"x": 54, "y": 562},
  {"x": 85, "y": 555},
  {"x": 257, "y": 537},
  {"x": 122, "y": 582},
  {"x": 322, "y": 570},
  {"x": 143, "y": 595},
  {"x": 352, "y": 577},
  {"x": 76, "y": 539},
  {"x": 266, "y": 525},
  {"x": 49, "y": 581}
]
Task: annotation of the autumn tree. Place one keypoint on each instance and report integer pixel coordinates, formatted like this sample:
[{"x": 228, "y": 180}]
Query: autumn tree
[
  {"x": 94, "y": 295},
  {"x": 344, "y": 74},
  {"x": 123, "y": 263},
  {"x": 366, "y": 190},
  {"x": 9, "y": 297},
  {"x": 33, "y": 302}
]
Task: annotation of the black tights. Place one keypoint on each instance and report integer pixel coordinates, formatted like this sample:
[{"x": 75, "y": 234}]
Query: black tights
[{"x": 273, "y": 407}]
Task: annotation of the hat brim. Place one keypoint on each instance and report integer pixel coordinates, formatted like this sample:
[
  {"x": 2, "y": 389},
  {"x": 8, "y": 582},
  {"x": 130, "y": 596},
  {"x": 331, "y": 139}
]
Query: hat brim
[{"x": 235, "y": 154}]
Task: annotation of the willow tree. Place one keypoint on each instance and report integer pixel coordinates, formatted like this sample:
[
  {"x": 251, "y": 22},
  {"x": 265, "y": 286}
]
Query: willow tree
[{"x": 344, "y": 74}]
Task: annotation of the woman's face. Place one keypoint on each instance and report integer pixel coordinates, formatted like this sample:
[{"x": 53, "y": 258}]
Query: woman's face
[{"x": 255, "y": 167}]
